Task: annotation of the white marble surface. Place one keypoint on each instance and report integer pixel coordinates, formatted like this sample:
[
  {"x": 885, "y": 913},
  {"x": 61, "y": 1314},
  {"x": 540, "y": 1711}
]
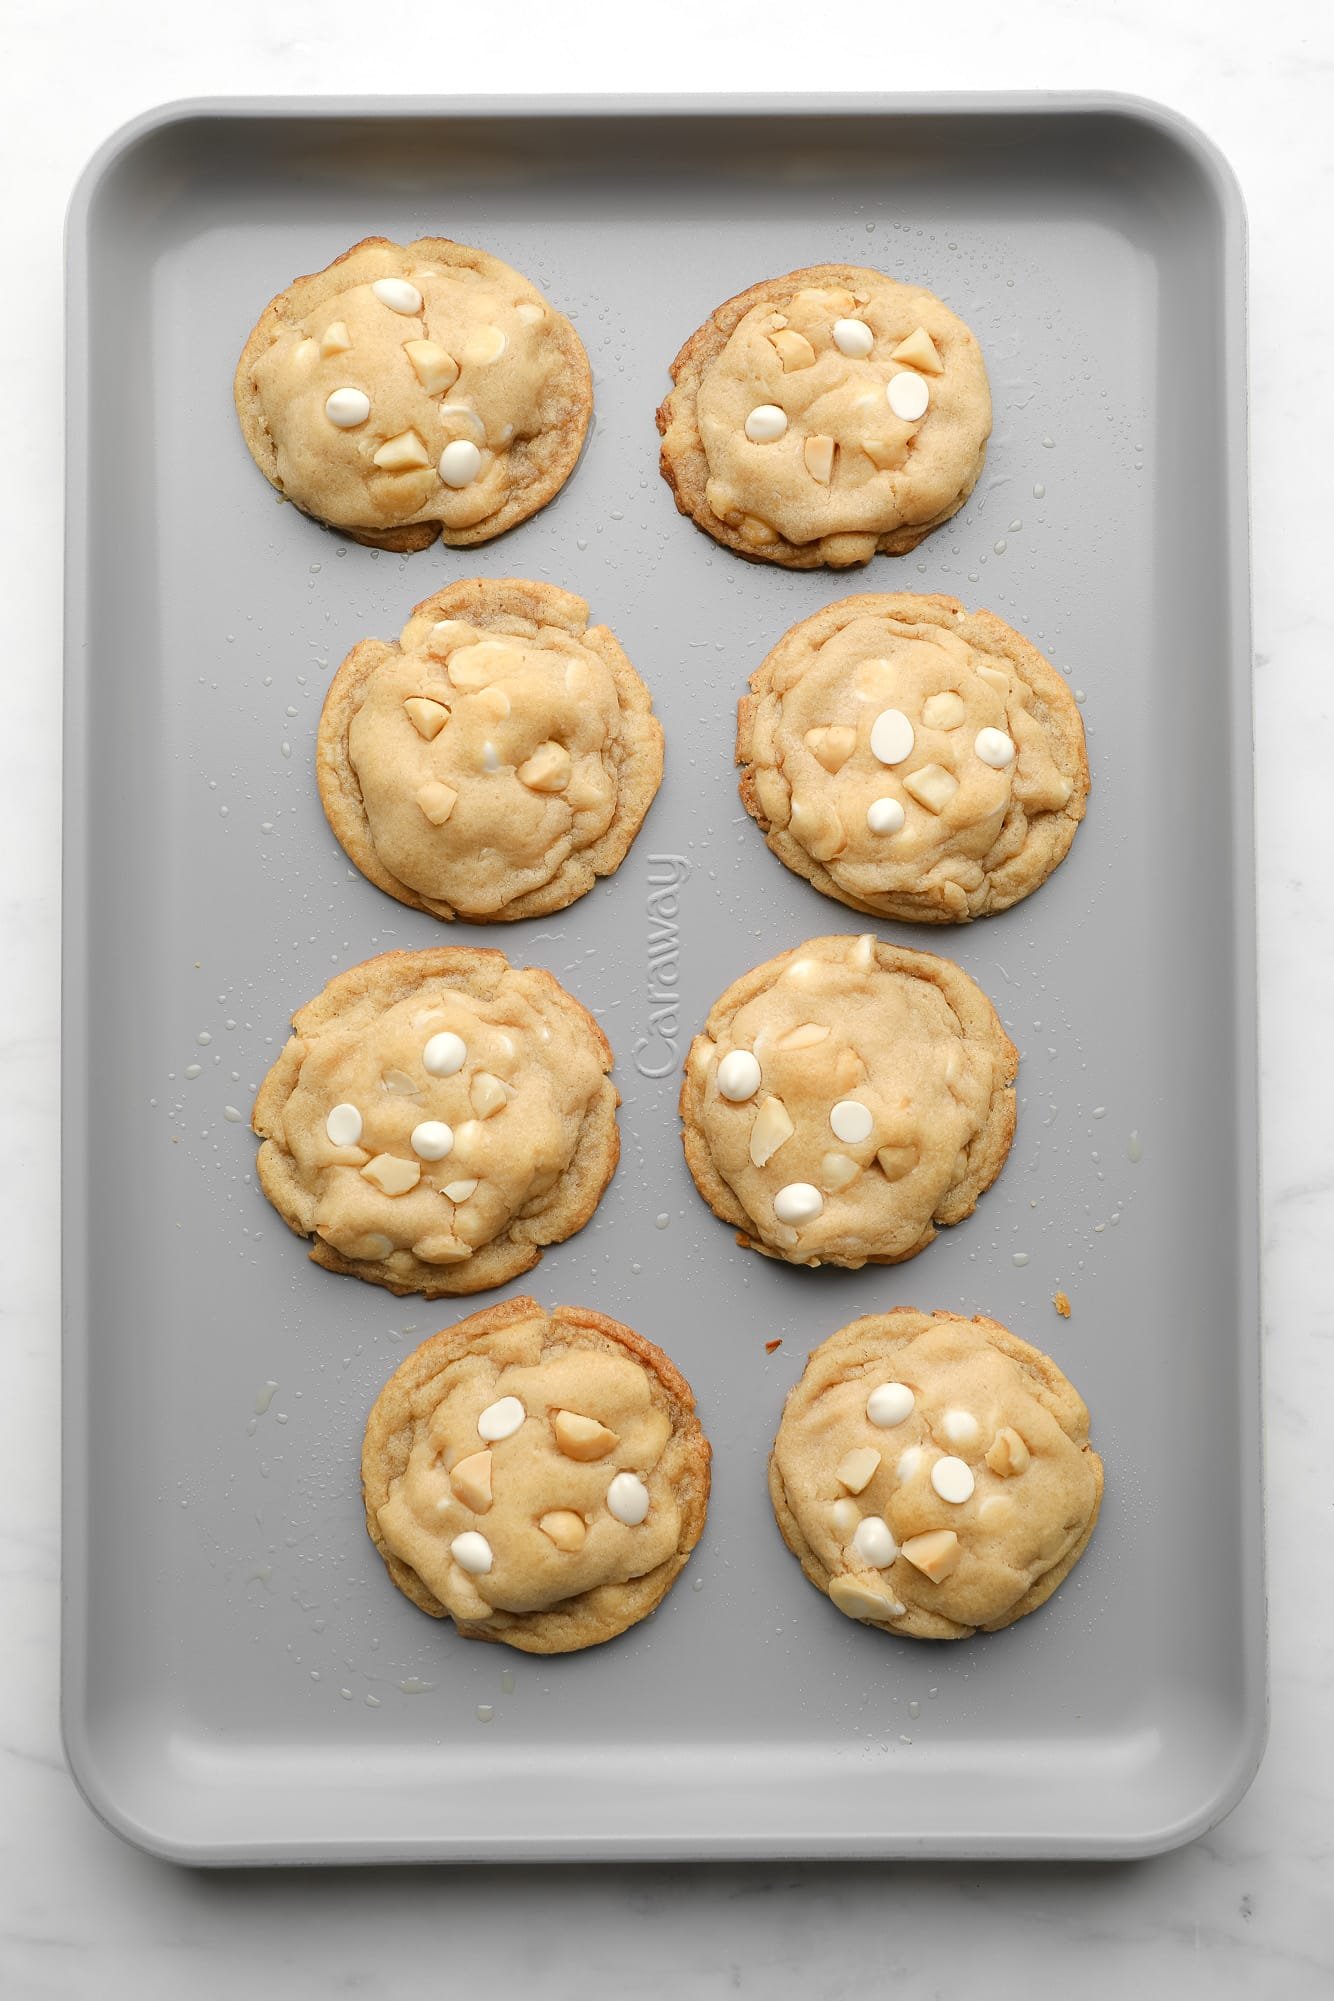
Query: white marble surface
[{"x": 1246, "y": 1910}]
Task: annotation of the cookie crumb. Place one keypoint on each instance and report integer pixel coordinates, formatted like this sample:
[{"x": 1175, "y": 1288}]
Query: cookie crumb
[
  {"x": 770, "y": 1346},
  {"x": 1061, "y": 1301}
]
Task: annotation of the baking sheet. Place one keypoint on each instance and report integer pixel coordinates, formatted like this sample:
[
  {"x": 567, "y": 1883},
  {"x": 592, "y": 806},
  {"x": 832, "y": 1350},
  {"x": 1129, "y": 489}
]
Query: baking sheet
[{"x": 241, "y": 1682}]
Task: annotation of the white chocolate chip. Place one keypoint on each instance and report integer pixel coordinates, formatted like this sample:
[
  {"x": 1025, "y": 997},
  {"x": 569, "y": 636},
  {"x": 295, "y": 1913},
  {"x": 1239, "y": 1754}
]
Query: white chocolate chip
[
  {"x": 1007, "y": 1455},
  {"x": 798, "y": 1203},
  {"x": 838, "y": 1171},
  {"x": 793, "y": 349},
  {"x": 765, "y": 423},
  {"x": 831, "y": 745},
  {"x": 491, "y": 758},
  {"x": 471, "y": 1481},
  {"x": 428, "y": 718},
  {"x": 862, "y": 955},
  {"x": 471, "y": 1552},
  {"x": 944, "y": 711},
  {"x": 994, "y": 748},
  {"x": 909, "y": 1464},
  {"x": 873, "y": 1543},
  {"x": 896, "y": 1161},
  {"x": 738, "y": 1076},
  {"x": 889, "y": 1405},
  {"x": 489, "y": 1095},
  {"x": 932, "y": 787},
  {"x": 952, "y": 1479},
  {"x": 852, "y": 1122},
  {"x": 436, "y": 800},
  {"x": 459, "y": 1191},
  {"x": 493, "y": 703},
  {"x": 804, "y": 1036},
  {"x": 935, "y": 1554},
  {"x": 307, "y": 352},
  {"x": 919, "y": 351},
  {"x": 346, "y": 408},
  {"x": 530, "y": 312},
  {"x": 892, "y": 737},
  {"x": 547, "y": 770},
  {"x": 627, "y": 1499},
  {"x": 390, "y": 1174},
  {"x": 995, "y": 1511},
  {"x": 483, "y": 345},
  {"x": 566, "y": 1529},
  {"x": 845, "y": 1515},
  {"x": 960, "y": 1427},
  {"x": 582, "y": 1438},
  {"x": 885, "y": 816},
  {"x": 853, "y": 338},
  {"x": 335, "y": 340},
  {"x": 398, "y": 295},
  {"x": 460, "y": 463},
  {"x": 465, "y": 418},
  {"x": 771, "y": 1129},
  {"x": 908, "y": 395},
  {"x": 398, "y": 1084},
  {"x": 857, "y": 1468},
  {"x": 432, "y": 1140},
  {"x": 343, "y": 1126},
  {"x": 444, "y": 1054},
  {"x": 434, "y": 366},
  {"x": 405, "y": 453},
  {"x": 818, "y": 454},
  {"x": 859, "y": 1598},
  {"x": 500, "y": 1419}
]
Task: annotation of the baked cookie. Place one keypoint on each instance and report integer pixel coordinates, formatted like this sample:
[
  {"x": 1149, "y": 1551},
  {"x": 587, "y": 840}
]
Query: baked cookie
[
  {"x": 913, "y": 759},
  {"x": 538, "y": 1478},
  {"x": 495, "y": 760},
  {"x": 933, "y": 1475},
  {"x": 845, "y": 1099},
  {"x": 410, "y": 391},
  {"x": 823, "y": 416},
  {"x": 436, "y": 1118}
]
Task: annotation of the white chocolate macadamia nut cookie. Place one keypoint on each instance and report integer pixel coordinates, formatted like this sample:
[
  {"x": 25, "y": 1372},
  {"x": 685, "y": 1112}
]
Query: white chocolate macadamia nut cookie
[
  {"x": 913, "y": 759},
  {"x": 414, "y": 391},
  {"x": 436, "y": 1118},
  {"x": 496, "y": 760},
  {"x": 845, "y": 1099},
  {"x": 934, "y": 1475},
  {"x": 538, "y": 1478},
  {"x": 823, "y": 416}
]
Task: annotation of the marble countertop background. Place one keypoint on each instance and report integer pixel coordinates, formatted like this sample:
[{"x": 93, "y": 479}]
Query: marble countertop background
[{"x": 1249, "y": 1909}]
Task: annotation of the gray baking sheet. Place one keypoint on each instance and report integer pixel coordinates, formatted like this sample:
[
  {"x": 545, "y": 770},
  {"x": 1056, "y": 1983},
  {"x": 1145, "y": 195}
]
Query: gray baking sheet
[{"x": 242, "y": 1683}]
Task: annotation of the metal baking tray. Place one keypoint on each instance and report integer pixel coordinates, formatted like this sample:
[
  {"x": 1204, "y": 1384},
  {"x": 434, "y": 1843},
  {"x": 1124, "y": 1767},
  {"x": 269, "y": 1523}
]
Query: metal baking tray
[{"x": 241, "y": 1682}]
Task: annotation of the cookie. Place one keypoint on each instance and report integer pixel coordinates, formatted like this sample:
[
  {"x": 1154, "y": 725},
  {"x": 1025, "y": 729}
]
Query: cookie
[
  {"x": 414, "y": 391},
  {"x": 495, "y": 760},
  {"x": 913, "y": 759},
  {"x": 538, "y": 1478},
  {"x": 933, "y": 1475},
  {"x": 436, "y": 1118},
  {"x": 823, "y": 416},
  {"x": 845, "y": 1100}
]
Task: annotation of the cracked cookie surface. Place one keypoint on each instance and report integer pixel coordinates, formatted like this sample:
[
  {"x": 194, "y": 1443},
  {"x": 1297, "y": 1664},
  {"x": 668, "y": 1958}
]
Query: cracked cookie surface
[
  {"x": 823, "y": 416},
  {"x": 494, "y": 761},
  {"x": 410, "y": 392},
  {"x": 912, "y": 759},
  {"x": 437, "y": 1118},
  {"x": 539, "y": 1478},
  {"x": 933, "y": 1475}
]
